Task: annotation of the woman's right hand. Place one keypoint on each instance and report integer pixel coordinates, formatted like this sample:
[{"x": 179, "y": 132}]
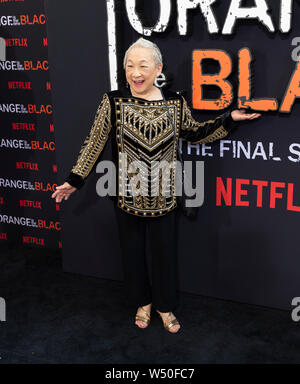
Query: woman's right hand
[{"x": 63, "y": 192}]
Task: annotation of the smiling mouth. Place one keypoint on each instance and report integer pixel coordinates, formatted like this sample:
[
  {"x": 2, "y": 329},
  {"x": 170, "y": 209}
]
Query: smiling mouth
[{"x": 138, "y": 83}]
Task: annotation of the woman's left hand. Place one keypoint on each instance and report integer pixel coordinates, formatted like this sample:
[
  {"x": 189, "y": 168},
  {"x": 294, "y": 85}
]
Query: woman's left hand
[{"x": 240, "y": 115}]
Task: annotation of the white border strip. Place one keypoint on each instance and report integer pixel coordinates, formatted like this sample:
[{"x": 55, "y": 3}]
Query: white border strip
[{"x": 112, "y": 45}]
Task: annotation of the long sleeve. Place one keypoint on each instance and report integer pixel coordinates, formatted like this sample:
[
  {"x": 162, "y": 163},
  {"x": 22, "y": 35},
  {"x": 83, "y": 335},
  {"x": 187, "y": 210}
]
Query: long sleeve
[
  {"x": 206, "y": 131},
  {"x": 93, "y": 144}
]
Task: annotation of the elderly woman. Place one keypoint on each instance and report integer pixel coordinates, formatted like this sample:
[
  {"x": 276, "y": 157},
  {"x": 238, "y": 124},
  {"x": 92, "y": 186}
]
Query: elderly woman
[{"x": 137, "y": 119}]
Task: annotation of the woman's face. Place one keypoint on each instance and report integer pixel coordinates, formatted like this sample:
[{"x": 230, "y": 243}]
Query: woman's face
[{"x": 141, "y": 70}]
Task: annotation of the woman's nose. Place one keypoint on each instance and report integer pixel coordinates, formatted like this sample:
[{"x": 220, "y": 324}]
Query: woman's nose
[{"x": 136, "y": 72}]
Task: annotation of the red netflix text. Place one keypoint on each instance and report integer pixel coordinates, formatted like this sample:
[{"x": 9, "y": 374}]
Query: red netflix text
[
  {"x": 269, "y": 191},
  {"x": 19, "y": 85},
  {"x": 33, "y": 240},
  {"x": 31, "y": 204},
  {"x": 23, "y": 126},
  {"x": 16, "y": 42},
  {"x": 30, "y": 166}
]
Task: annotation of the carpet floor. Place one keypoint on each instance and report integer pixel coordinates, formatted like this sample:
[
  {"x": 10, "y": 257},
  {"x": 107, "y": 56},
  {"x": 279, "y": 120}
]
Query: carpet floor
[{"x": 57, "y": 317}]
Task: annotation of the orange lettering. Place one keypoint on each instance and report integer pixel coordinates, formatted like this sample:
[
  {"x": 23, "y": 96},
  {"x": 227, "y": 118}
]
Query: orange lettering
[
  {"x": 292, "y": 92},
  {"x": 199, "y": 80},
  {"x": 245, "y": 86},
  {"x": 23, "y": 19}
]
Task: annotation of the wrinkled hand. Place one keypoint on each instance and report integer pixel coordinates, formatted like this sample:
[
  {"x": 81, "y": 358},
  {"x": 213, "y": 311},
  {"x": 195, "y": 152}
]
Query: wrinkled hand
[
  {"x": 240, "y": 115},
  {"x": 63, "y": 192}
]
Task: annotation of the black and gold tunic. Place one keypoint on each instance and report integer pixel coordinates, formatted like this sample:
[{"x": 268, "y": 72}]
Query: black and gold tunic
[{"x": 141, "y": 131}]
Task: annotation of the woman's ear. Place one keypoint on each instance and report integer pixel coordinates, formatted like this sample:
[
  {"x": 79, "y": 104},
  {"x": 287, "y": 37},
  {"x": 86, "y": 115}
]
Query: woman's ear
[{"x": 159, "y": 69}]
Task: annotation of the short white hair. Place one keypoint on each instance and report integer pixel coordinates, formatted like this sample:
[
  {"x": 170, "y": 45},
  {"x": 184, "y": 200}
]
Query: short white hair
[{"x": 141, "y": 42}]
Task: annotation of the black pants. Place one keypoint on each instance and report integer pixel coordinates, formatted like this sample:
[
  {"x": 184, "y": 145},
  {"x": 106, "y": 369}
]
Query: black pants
[{"x": 163, "y": 293}]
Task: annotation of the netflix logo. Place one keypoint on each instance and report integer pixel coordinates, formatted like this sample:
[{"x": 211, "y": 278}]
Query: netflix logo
[
  {"x": 33, "y": 240},
  {"x": 266, "y": 193},
  {"x": 30, "y": 204},
  {"x": 16, "y": 42},
  {"x": 23, "y": 126},
  {"x": 11, "y": 1},
  {"x": 30, "y": 166},
  {"x": 1, "y": 200},
  {"x": 19, "y": 85},
  {"x": 3, "y": 236}
]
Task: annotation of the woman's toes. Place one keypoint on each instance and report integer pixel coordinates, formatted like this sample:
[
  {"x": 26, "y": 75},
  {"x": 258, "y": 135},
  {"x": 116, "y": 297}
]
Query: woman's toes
[
  {"x": 167, "y": 318},
  {"x": 141, "y": 324},
  {"x": 175, "y": 328}
]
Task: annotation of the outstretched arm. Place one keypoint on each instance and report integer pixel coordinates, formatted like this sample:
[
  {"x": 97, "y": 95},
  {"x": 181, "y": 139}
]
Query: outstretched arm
[
  {"x": 93, "y": 145},
  {"x": 89, "y": 152},
  {"x": 210, "y": 130}
]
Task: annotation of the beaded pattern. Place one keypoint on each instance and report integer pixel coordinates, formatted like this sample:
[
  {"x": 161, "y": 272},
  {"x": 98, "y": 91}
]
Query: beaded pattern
[
  {"x": 145, "y": 134},
  {"x": 189, "y": 123},
  {"x": 95, "y": 140}
]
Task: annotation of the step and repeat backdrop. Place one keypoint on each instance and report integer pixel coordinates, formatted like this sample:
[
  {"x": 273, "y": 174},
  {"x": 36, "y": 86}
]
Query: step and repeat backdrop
[
  {"x": 27, "y": 147},
  {"x": 244, "y": 244}
]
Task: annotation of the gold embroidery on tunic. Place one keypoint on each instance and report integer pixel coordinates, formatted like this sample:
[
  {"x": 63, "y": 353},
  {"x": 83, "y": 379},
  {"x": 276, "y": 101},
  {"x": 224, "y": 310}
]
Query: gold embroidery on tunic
[
  {"x": 190, "y": 123},
  {"x": 95, "y": 140},
  {"x": 145, "y": 134}
]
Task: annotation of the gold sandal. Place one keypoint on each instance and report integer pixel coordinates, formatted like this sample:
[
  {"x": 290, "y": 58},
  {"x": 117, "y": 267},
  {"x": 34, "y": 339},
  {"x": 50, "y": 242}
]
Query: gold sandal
[
  {"x": 169, "y": 324},
  {"x": 142, "y": 318}
]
